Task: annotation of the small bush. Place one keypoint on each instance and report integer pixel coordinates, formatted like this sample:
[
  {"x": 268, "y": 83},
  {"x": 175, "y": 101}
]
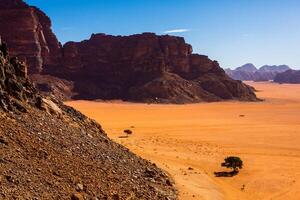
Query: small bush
[
  {"x": 128, "y": 131},
  {"x": 233, "y": 162}
]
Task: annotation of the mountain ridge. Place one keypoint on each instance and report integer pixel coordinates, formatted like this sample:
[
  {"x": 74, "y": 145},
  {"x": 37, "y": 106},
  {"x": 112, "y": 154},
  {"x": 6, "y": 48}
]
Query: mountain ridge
[
  {"x": 290, "y": 76},
  {"x": 264, "y": 73}
]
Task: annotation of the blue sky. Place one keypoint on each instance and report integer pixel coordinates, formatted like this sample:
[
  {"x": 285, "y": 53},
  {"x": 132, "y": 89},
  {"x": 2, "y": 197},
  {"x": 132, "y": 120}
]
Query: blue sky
[{"x": 233, "y": 32}]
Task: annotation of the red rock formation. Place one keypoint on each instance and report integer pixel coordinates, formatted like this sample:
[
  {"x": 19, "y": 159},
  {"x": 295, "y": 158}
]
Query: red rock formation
[
  {"x": 146, "y": 67},
  {"x": 143, "y": 67},
  {"x": 27, "y": 30}
]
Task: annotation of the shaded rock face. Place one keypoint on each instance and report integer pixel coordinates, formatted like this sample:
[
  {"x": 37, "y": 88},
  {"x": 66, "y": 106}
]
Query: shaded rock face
[
  {"x": 53, "y": 86},
  {"x": 27, "y": 30},
  {"x": 15, "y": 87},
  {"x": 143, "y": 67},
  {"x": 148, "y": 68},
  {"x": 290, "y": 76},
  {"x": 249, "y": 72}
]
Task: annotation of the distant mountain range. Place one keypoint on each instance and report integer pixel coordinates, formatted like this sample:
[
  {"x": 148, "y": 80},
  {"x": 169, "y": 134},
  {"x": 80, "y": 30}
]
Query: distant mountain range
[
  {"x": 249, "y": 72},
  {"x": 290, "y": 76}
]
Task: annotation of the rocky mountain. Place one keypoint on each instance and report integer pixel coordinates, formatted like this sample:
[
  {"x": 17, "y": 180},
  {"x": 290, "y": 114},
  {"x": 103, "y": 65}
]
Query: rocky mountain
[
  {"x": 244, "y": 72},
  {"x": 51, "y": 151},
  {"x": 249, "y": 67},
  {"x": 143, "y": 67},
  {"x": 290, "y": 76},
  {"x": 147, "y": 68},
  {"x": 274, "y": 68},
  {"x": 249, "y": 72}
]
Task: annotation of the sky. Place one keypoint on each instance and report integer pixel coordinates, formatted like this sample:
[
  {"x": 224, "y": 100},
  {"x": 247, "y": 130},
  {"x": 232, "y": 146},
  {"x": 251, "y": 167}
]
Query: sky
[{"x": 233, "y": 32}]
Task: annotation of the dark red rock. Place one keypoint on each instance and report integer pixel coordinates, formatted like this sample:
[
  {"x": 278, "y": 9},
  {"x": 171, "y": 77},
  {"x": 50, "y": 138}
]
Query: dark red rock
[
  {"x": 148, "y": 68},
  {"x": 27, "y": 30},
  {"x": 15, "y": 87},
  {"x": 51, "y": 85}
]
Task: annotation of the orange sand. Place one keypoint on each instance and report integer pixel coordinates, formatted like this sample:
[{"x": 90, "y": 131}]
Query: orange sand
[{"x": 177, "y": 137}]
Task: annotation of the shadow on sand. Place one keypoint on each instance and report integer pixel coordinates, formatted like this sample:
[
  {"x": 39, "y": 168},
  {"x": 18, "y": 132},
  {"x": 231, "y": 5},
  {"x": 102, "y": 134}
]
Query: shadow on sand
[
  {"x": 123, "y": 136},
  {"x": 226, "y": 174}
]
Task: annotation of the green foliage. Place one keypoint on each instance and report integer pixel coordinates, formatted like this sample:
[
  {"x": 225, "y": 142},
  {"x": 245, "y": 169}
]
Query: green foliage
[{"x": 233, "y": 162}]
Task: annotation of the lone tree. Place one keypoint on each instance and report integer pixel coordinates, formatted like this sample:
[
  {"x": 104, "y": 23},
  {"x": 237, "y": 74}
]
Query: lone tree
[{"x": 233, "y": 162}]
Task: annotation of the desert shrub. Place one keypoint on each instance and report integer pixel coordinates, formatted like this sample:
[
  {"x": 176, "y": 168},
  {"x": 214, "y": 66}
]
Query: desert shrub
[
  {"x": 233, "y": 162},
  {"x": 128, "y": 131}
]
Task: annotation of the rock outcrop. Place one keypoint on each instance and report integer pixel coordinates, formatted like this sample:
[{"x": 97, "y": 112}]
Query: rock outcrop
[
  {"x": 15, "y": 87},
  {"x": 249, "y": 72},
  {"x": 53, "y": 86},
  {"x": 143, "y": 67},
  {"x": 290, "y": 76},
  {"x": 27, "y": 30},
  {"x": 51, "y": 151},
  {"x": 147, "y": 68}
]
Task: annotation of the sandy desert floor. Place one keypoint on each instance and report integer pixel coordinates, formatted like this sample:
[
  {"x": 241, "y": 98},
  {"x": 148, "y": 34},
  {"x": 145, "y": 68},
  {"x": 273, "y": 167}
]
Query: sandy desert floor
[{"x": 266, "y": 135}]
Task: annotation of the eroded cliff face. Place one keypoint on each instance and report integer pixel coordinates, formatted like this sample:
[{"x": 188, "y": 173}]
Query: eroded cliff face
[
  {"x": 27, "y": 30},
  {"x": 148, "y": 68}
]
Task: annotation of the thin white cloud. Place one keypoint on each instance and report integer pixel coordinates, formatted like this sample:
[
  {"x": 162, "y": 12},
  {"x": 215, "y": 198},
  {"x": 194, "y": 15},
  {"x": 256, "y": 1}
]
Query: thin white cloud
[{"x": 182, "y": 30}]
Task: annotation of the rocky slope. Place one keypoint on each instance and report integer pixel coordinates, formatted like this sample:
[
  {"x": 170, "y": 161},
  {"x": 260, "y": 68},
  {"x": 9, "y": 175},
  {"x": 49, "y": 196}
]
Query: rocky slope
[
  {"x": 249, "y": 72},
  {"x": 290, "y": 76},
  {"x": 51, "y": 151},
  {"x": 143, "y": 67}
]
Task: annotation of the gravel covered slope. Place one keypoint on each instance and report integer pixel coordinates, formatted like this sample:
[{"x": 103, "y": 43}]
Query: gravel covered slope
[{"x": 51, "y": 151}]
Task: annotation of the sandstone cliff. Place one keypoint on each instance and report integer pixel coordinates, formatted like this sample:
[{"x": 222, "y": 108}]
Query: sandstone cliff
[
  {"x": 146, "y": 67},
  {"x": 28, "y": 33}
]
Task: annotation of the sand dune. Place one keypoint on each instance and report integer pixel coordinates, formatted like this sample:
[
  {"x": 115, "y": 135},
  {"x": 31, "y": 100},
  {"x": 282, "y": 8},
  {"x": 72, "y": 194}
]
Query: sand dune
[{"x": 266, "y": 135}]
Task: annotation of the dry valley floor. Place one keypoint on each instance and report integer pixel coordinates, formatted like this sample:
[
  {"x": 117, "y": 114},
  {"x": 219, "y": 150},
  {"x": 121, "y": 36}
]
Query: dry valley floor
[{"x": 190, "y": 142}]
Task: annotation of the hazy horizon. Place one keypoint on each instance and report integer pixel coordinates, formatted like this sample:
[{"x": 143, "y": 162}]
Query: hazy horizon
[{"x": 233, "y": 33}]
